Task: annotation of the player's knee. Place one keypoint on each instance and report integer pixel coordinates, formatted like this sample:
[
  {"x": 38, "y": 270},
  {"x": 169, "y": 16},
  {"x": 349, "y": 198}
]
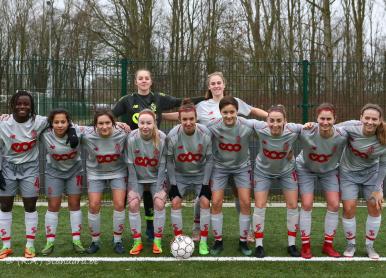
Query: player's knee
[
  {"x": 333, "y": 206},
  {"x": 94, "y": 207},
  {"x": 205, "y": 192},
  {"x": 204, "y": 202},
  {"x": 6, "y": 206},
  {"x": 30, "y": 204},
  {"x": 216, "y": 205},
  {"x": 174, "y": 193},
  {"x": 159, "y": 204},
  {"x": 176, "y": 203},
  {"x": 307, "y": 206},
  {"x": 119, "y": 205},
  {"x": 292, "y": 205}
]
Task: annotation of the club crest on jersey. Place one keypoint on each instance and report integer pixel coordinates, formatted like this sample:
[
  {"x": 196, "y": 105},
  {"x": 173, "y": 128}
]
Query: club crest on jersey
[
  {"x": 370, "y": 150},
  {"x": 153, "y": 107},
  {"x": 200, "y": 148},
  {"x": 135, "y": 106},
  {"x": 137, "y": 151},
  {"x": 180, "y": 147},
  {"x": 156, "y": 152},
  {"x": 52, "y": 147},
  {"x": 286, "y": 146},
  {"x": 118, "y": 148},
  {"x": 34, "y": 134},
  {"x": 12, "y": 136},
  {"x": 313, "y": 148},
  {"x": 238, "y": 139}
]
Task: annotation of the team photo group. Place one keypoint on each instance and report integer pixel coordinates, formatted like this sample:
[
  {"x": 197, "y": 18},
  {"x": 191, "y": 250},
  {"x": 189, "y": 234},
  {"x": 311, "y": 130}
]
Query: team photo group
[{"x": 205, "y": 153}]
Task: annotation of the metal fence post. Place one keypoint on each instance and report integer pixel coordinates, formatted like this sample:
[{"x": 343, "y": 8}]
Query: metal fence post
[
  {"x": 124, "y": 66},
  {"x": 306, "y": 76}
]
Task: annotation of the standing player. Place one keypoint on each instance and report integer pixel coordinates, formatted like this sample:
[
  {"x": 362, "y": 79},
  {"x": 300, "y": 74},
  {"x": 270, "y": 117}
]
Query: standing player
[
  {"x": 231, "y": 159},
  {"x": 105, "y": 145},
  {"x": 322, "y": 148},
  {"x": 363, "y": 165},
  {"x": 275, "y": 162},
  {"x": 189, "y": 164},
  {"x": 131, "y": 104},
  {"x": 208, "y": 111},
  {"x": 20, "y": 168},
  {"x": 147, "y": 163},
  {"x": 63, "y": 170}
]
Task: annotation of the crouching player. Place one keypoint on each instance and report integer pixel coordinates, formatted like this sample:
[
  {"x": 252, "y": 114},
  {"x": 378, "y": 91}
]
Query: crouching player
[
  {"x": 147, "y": 165},
  {"x": 189, "y": 165},
  {"x": 231, "y": 158}
]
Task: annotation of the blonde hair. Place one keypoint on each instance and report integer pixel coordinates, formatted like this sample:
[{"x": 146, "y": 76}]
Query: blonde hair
[
  {"x": 208, "y": 94},
  {"x": 155, "y": 134},
  {"x": 381, "y": 129}
]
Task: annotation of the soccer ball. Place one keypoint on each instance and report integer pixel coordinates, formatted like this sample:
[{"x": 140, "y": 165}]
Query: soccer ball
[{"x": 182, "y": 247}]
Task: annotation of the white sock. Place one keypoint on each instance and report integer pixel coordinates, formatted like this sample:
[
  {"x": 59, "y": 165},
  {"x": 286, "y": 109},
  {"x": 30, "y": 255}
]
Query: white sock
[
  {"x": 244, "y": 225},
  {"x": 372, "y": 228},
  {"x": 204, "y": 223},
  {"x": 258, "y": 224},
  {"x": 31, "y": 224},
  {"x": 176, "y": 220},
  {"x": 292, "y": 224},
  {"x": 51, "y": 224},
  {"x": 159, "y": 223},
  {"x": 135, "y": 224},
  {"x": 5, "y": 228},
  {"x": 331, "y": 221},
  {"x": 305, "y": 225},
  {"x": 350, "y": 229},
  {"x": 118, "y": 224},
  {"x": 94, "y": 224},
  {"x": 217, "y": 222},
  {"x": 76, "y": 224}
]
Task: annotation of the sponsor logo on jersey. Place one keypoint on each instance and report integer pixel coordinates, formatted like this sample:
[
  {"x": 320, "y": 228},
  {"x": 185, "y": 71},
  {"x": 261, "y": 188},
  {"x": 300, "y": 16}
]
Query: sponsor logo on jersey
[
  {"x": 230, "y": 147},
  {"x": 23, "y": 147},
  {"x": 107, "y": 158},
  {"x": 274, "y": 154},
  {"x": 146, "y": 161},
  {"x": 189, "y": 157}
]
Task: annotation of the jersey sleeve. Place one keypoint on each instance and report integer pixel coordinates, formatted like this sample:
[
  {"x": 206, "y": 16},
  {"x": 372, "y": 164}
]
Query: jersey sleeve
[
  {"x": 244, "y": 108},
  {"x": 41, "y": 123},
  {"x": 119, "y": 108},
  {"x": 348, "y": 123},
  {"x": 296, "y": 128},
  {"x": 381, "y": 174}
]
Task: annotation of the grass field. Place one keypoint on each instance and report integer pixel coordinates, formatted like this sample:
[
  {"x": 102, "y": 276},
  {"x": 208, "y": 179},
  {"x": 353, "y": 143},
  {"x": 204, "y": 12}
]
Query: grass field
[{"x": 274, "y": 244}]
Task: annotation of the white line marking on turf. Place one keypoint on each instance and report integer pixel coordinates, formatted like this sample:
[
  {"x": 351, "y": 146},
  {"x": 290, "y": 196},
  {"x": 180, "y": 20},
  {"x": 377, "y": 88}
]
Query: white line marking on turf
[{"x": 69, "y": 260}]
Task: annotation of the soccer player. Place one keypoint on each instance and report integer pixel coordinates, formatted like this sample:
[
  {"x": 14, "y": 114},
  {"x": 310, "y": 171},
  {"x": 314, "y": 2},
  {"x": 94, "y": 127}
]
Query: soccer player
[
  {"x": 105, "y": 145},
  {"x": 363, "y": 165},
  {"x": 131, "y": 104},
  {"x": 63, "y": 170},
  {"x": 147, "y": 164},
  {"x": 20, "y": 168},
  {"x": 189, "y": 164},
  {"x": 208, "y": 111},
  {"x": 231, "y": 158},
  {"x": 275, "y": 162},
  {"x": 322, "y": 147}
]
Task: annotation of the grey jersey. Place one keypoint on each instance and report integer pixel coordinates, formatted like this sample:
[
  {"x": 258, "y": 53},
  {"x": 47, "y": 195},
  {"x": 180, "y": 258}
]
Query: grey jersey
[
  {"x": 105, "y": 155},
  {"x": 209, "y": 111},
  {"x": 230, "y": 145},
  {"x": 60, "y": 156},
  {"x": 19, "y": 140},
  {"x": 189, "y": 153},
  {"x": 362, "y": 152},
  {"x": 272, "y": 159},
  {"x": 145, "y": 158},
  {"x": 321, "y": 155}
]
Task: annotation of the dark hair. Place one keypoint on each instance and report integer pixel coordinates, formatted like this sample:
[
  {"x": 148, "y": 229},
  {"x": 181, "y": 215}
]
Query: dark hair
[
  {"x": 186, "y": 106},
  {"x": 228, "y": 100},
  {"x": 325, "y": 106},
  {"x": 208, "y": 94},
  {"x": 381, "y": 129},
  {"x": 103, "y": 112},
  {"x": 15, "y": 97},
  {"x": 56, "y": 111},
  {"x": 278, "y": 108}
]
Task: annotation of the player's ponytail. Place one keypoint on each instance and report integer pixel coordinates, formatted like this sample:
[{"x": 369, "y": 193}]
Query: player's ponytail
[
  {"x": 155, "y": 133},
  {"x": 381, "y": 129}
]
